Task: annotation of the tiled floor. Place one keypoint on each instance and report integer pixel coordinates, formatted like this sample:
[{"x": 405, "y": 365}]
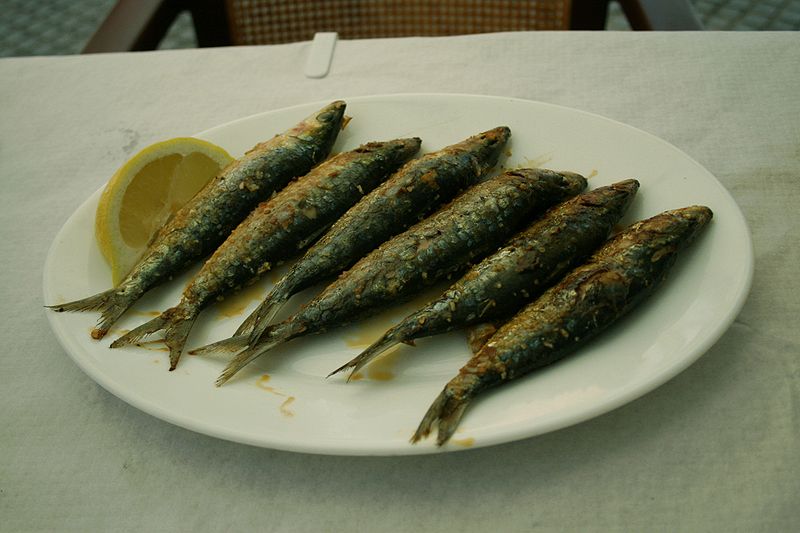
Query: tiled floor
[
  {"x": 58, "y": 27},
  {"x": 739, "y": 15}
]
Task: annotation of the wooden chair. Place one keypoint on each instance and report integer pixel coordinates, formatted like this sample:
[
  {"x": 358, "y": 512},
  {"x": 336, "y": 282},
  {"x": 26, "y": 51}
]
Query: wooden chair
[{"x": 141, "y": 24}]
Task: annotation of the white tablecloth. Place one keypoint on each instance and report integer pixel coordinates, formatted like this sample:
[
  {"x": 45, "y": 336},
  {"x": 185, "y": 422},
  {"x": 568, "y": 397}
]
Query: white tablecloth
[{"x": 715, "y": 449}]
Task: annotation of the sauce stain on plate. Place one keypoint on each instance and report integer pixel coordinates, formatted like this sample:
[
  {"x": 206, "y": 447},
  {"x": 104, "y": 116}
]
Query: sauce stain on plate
[
  {"x": 383, "y": 367},
  {"x": 368, "y": 331},
  {"x": 536, "y": 162},
  {"x": 284, "y": 407},
  {"x": 365, "y": 332},
  {"x": 148, "y": 314},
  {"x": 235, "y": 304},
  {"x": 113, "y": 331},
  {"x": 152, "y": 345},
  {"x": 464, "y": 443}
]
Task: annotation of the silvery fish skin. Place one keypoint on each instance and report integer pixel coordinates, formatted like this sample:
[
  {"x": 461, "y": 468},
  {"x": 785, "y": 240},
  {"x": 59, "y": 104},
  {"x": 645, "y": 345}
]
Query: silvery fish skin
[
  {"x": 275, "y": 229},
  {"x": 619, "y": 276},
  {"x": 208, "y": 218},
  {"x": 530, "y": 262},
  {"x": 429, "y": 251},
  {"x": 408, "y": 196}
]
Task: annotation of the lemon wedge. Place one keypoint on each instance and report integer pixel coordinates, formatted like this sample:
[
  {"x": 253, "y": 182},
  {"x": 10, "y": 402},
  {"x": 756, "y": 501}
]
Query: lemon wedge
[{"x": 149, "y": 188}]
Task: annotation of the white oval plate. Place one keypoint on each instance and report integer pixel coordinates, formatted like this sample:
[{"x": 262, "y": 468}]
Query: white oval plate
[{"x": 285, "y": 402}]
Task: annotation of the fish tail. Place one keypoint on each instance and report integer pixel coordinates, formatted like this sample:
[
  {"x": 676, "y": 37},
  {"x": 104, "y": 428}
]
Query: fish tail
[
  {"x": 140, "y": 332},
  {"x": 176, "y": 328},
  {"x": 446, "y": 412},
  {"x": 111, "y": 304},
  {"x": 276, "y": 335},
  {"x": 389, "y": 339},
  {"x": 233, "y": 344},
  {"x": 255, "y": 324},
  {"x": 175, "y": 335},
  {"x": 266, "y": 311},
  {"x": 246, "y": 327}
]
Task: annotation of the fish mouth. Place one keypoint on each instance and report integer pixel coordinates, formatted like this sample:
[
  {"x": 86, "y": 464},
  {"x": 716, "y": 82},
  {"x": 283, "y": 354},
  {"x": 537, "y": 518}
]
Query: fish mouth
[{"x": 333, "y": 112}]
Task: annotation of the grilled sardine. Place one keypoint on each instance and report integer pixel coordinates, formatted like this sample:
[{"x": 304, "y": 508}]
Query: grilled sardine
[
  {"x": 429, "y": 251},
  {"x": 275, "y": 230},
  {"x": 408, "y": 196},
  {"x": 529, "y": 263},
  {"x": 207, "y": 219},
  {"x": 621, "y": 274}
]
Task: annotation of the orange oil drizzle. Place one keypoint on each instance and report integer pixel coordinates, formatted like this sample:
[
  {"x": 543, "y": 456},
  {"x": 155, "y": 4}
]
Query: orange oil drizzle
[
  {"x": 380, "y": 375},
  {"x": 149, "y": 314},
  {"x": 284, "y": 407},
  {"x": 234, "y": 304},
  {"x": 365, "y": 332},
  {"x": 536, "y": 162},
  {"x": 466, "y": 443},
  {"x": 112, "y": 331},
  {"x": 151, "y": 345},
  {"x": 368, "y": 331},
  {"x": 383, "y": 367}
]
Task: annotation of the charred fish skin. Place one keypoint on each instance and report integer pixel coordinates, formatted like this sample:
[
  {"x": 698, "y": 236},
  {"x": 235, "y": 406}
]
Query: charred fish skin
[
  {"x": 297, "y": 213},
  {"x": 206, "y": 220},
  {"x": 441, "y": 245},
  {"x": 467, "y": 228},
  {"x": 530, "y": 262},
  {"x": 409, "y": 195},
  {"x": 618, "y": 277},
  {"x": 275, "y": 228}
]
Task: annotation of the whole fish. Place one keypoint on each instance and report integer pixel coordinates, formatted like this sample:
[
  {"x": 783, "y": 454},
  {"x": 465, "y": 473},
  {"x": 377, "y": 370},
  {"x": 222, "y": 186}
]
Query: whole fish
[
  {"x": 206, "y": 220},
  {"x": 621, "y": 274},
  {"x": 276, "y": 228},
  {"x": 530, "y": 262},
  {"x": 429, "y": 251},
  {"x": 411, "y": 194}
]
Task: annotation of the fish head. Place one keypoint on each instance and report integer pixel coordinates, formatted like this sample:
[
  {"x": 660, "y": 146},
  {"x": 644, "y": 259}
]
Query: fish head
[
  {"x": 406, "y": 148},
  {"x": 332, "y": 113},
  {"x": 616, "y": 197},
  {"x": 662, "y": 236},
  {"x": 322, "y": 126},
  {"x": 574, "y": 182},
  {"x": 487, "y": 146},
  {"x": 678, "y": 224},
  {"x": 566, "y": 184},
  {"x": 689, "y": 221}
]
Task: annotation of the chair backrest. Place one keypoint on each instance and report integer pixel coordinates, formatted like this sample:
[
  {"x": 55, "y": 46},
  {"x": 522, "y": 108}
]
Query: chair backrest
[
  {"x": 142, "y": 24},
  {"x": 281, "y": 21}
]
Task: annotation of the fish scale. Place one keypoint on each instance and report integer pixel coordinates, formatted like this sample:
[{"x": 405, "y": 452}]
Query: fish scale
[
  {"x": 620, "y": 275},
  {"x": 271, "y": 233},
  {"x": 206, "y": 220},
  {"x": 409, "y": 195},
  {"x": 530, "y": 262},
  {"x": 468, "y": 227},
  {"x": 302, "y": 210}
]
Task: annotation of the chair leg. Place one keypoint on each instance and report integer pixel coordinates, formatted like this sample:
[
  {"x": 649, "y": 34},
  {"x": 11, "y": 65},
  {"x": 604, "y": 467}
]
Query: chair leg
[
  {"x": 210, "y": 22},
  {"x": 588, "y": 14},
  {"x": 134, "y": 25}
]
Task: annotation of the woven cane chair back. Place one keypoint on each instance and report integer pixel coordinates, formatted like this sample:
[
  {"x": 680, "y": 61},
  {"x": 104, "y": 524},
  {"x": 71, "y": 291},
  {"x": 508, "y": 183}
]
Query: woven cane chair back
[{"x": 282, "y": 21}]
